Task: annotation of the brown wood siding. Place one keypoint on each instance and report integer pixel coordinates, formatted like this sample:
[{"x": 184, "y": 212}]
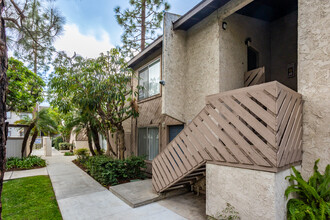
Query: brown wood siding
[{"x": 151, "y": 116}]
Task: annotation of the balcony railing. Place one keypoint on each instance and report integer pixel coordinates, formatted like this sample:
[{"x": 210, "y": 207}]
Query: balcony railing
[{"x": 257, "y": 127}]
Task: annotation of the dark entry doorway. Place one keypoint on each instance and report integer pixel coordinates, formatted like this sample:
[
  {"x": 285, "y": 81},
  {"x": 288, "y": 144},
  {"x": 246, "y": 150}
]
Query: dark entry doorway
[
  {"x": 253, "y": 58},
  {"x": 174, "y": 130}
]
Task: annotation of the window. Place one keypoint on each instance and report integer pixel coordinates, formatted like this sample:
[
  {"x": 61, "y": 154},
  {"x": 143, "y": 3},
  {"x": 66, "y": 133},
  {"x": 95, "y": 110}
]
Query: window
[
  {"x": 8, "y": 115},
  {"x": 9, "y": 133},
  {"x": 148, "y": 142},
  {"x": 149, "y": 79}
]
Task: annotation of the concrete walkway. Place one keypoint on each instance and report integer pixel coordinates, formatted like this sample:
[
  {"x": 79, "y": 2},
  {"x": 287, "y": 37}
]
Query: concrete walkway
[
  {"x": 80, "y": 197},
  {"x": 25, "y": 173}
]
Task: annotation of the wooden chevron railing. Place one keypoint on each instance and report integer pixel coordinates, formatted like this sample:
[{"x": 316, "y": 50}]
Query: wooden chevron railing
[
  {"x": 254, "y": 77},
  {"x": 257, "y": 127}
]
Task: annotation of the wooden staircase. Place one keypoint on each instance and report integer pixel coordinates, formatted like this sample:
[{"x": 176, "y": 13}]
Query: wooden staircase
[{"x": 257, "y": 127}]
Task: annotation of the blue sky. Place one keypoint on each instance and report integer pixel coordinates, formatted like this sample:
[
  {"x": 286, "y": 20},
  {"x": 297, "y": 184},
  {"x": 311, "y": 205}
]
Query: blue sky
[{"x": 91, "y": 27}]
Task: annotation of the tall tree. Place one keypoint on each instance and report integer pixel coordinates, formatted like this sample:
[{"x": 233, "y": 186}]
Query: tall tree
[
  {"x": 140, "y": 22},
  {"x": 24, "y": 87},
  {"x": 113, "y": 94},
  {"x": 32, "y": 38},
  {"x": 99, "y": 88},
  {"x": 70, "y": 89},
  {"x": 3, "y": 88}
]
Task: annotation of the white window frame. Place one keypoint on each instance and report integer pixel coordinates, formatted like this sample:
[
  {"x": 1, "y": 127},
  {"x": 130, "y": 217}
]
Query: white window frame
[{"x": 146, "y": 91}]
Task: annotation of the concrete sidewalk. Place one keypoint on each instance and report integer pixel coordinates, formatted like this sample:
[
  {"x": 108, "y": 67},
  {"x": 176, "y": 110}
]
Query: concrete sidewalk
[
  {"x": 79, "y": 196},
  {"x": 24, "y": 173}
]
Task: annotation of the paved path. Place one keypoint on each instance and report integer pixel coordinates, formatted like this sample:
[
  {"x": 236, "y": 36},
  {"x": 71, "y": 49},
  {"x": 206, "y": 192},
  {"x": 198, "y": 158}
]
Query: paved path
[
  {"x": 24, "y": 173},
  {"x": 80, "y": 197}
]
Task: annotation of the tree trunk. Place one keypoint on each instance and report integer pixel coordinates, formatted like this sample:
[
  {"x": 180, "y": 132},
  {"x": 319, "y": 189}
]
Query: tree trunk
[
  {"x": 35, "y": 69},
  {"x": 34, "y": 137},
  {"x": 26, "y": 137},
  {"x": 35, "y": 58},
  {"x": 109, "y": 147},
  {"x": 90, "y": 142},
  {"x": 3, "y": 89},
  {"x": 121, "y": 143},
  {"x": 96, "y": 139},
  {"x": 143, "y": 25}
]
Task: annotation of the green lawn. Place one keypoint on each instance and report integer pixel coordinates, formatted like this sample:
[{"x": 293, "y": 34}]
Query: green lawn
[{"x": 29, "y": 198}]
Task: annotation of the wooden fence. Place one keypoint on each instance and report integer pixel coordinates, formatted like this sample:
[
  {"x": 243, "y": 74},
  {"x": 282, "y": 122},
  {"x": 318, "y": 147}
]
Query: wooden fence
[{"x": 257, "y": 127}]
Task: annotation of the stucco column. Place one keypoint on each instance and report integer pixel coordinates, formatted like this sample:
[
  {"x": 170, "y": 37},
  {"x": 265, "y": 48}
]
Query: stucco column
[
  {"x": 253, "y": 194},
  {"x": 314, "y": 81}
]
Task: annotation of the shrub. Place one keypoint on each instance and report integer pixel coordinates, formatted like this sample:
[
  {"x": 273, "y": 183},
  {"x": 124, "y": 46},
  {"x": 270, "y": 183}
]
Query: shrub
[
  {"x": 229, "y": 213},
  {"x": 82, "y": 154},
  {"x": 313, "y": 201},
  {"x": 25, "y": 163},
  {"x": 110, "y": 171},
  {"x": 102, "y": 152},
  {"x": 56, "y": 141},
  {"x": 65, "y": 146},
  {"x": 68, "y": 154}
]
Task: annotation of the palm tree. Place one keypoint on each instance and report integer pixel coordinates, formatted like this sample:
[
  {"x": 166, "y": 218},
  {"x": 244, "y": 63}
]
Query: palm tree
[{"x": 41, "y": 122}]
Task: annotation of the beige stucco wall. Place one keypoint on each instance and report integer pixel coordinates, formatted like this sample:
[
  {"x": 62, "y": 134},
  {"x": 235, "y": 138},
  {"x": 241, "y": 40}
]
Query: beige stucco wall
[
  {"x": 314, "y": 80},
  {"x": 233, "y": 50},
  {"x": 190, "y": 67},
  {"x": 202, "y": 72},
  {"x": 254, "y": 194},
  {"x": 173, "y": 69}
]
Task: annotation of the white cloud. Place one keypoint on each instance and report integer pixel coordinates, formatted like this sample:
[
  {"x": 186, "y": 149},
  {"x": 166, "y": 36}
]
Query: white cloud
[{"x": 85, "y": 45}]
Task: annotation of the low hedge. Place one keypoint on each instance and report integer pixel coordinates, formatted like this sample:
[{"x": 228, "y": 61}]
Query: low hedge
[
  {"x": 65, "y": 146},
  {"x": 25, "y": 163},
  {"x": 109, "y": 171}
]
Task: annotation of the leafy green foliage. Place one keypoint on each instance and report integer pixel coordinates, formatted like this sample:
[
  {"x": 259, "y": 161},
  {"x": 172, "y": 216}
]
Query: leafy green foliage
[
  {"x": 313, "y": 200},
  {"x": 56, "y": 141},
  {"x": 65, "y": 146},
  {"x": 32, "y": 37},
  {"x": 110, "y": 171},
  {"x": 25, "y": 163},
  {"x": 29, "y": 198},
  {"x": 68, "y": 154},
  {"x": 24, "y": 87},
  {"x": 82, "y": 154},
  {"x": 140, "y": 22},
  {"x": 96, "y": 91}
]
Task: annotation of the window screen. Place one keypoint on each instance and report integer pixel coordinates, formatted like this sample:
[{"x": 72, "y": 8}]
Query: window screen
[
  {"x": 148, "y": 142},
  {"x": 149, "y": 80}
]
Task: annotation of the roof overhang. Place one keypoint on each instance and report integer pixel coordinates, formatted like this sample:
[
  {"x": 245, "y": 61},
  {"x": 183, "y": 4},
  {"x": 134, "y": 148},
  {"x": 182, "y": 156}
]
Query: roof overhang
[
  {"x": 151, "y": 48},
  {"x": 198, "y": 13}
]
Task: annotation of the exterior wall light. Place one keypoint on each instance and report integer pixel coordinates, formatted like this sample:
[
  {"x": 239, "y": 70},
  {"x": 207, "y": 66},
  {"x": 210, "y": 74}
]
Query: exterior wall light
[
  {"x": 162, "y": 82},
  {"x": 224, "y": 25}
]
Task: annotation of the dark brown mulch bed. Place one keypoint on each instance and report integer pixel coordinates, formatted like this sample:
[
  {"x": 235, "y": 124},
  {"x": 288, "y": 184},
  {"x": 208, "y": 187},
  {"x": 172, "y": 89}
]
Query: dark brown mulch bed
[
  {"x": 18, "y": 169},
  {"x": 81, "y": 166}
]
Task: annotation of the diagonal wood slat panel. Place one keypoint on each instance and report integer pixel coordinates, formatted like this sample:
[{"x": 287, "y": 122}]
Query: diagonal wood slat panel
[
  {"x": 258, "y": 127},
  {"x": 254, "y": 77}
]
